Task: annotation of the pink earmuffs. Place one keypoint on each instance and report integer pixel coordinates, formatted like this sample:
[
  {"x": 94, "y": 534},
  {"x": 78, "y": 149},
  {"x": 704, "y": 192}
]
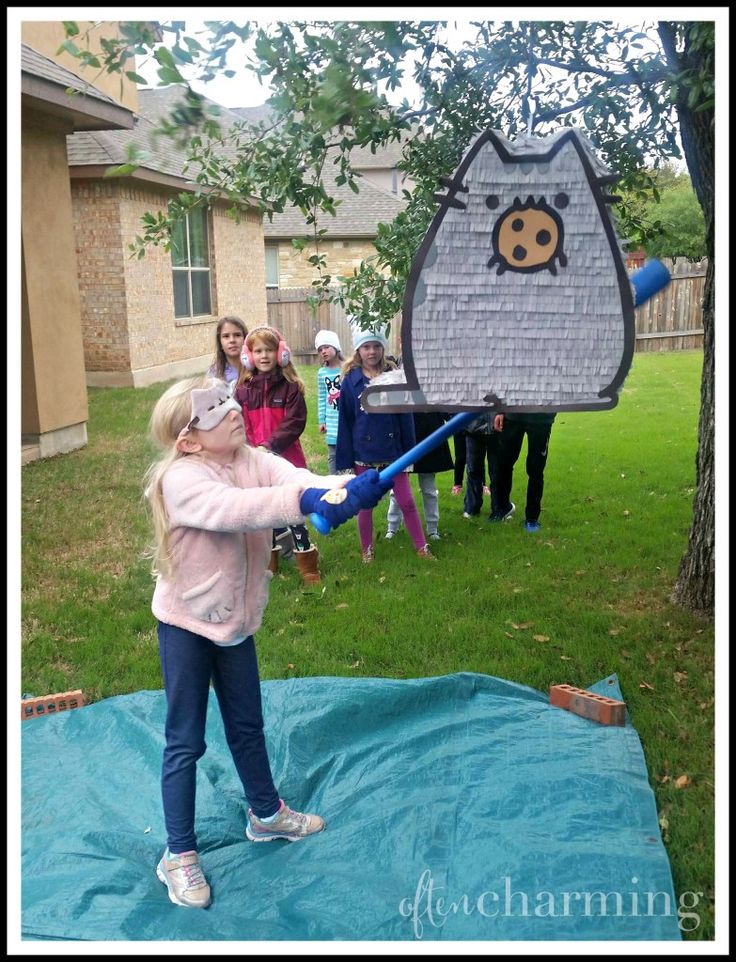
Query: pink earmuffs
[{"x": 283, "y": 352}]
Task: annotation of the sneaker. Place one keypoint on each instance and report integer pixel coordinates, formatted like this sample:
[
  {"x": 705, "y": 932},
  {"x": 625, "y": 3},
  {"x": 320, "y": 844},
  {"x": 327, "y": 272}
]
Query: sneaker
[
  {"x": 368, "y": 555},
  {"x": 466, "y": 514},
  {"x": 456, "y": 489},
  {"x": 290, "y": 825},
  {"x": 486, "y": 491},
  {"x": 183, "y": 877},
  {"x": 434, "y": 536},
  {"x": 425, "y": 553},
  {"x": 503, "y": 515},
  {"x": 532, "y": 526},
  {"x": 390, "y": 534}
]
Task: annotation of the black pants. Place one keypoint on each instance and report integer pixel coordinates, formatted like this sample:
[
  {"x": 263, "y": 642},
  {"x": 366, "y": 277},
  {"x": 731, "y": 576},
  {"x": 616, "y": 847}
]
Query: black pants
[
  {"x": 480, "y": 447},
  {"x": 459, "y": 460},
  {"x": 509, "y": 448}
]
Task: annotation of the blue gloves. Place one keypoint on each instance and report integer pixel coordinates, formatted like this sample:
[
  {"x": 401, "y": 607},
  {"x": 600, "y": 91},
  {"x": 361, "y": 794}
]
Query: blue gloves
[{"x": 362, "y": 493}]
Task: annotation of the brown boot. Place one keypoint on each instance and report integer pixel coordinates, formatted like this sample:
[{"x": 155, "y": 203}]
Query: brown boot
[
  {"x": 308, "y": 564},
  {"x": 273, "y": 564}
]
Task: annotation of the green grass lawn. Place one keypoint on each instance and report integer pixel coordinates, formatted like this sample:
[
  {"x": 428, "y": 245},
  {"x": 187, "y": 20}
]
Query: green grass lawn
[{"x": 585, "y": 597}]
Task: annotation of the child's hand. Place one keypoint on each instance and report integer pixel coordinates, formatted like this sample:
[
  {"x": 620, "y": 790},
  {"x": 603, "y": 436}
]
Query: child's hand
[
  {"x": 322, "y": 428},
  {"x": 361, "y": 493}
]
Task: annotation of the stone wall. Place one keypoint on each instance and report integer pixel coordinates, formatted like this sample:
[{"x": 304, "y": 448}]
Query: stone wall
[{"x": 343, "y": 256}]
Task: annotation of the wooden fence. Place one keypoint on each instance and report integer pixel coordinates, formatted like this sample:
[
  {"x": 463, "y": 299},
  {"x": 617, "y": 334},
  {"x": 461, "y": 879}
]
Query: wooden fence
[
  {"x": 671, "y": 320},
  {"x": 288, "y": 311}
]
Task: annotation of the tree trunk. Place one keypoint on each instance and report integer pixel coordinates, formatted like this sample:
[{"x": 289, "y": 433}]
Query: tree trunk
[{"x": 695, "y": 585}]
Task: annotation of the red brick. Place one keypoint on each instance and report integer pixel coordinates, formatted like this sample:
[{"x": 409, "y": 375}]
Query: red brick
[
  {"x": 597, "y": 708},
  {"x": 51, "y": 704}
]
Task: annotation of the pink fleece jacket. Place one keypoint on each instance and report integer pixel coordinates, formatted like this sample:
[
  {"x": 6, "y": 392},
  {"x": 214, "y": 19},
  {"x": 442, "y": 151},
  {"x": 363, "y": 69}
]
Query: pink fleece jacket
[{"x": 221, "y": 518}]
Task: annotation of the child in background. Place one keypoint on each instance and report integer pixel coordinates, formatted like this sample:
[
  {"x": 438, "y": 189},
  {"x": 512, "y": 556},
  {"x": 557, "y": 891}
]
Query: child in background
[
  {"x": 327, "y": 344},
  {"x": 374, "y": 440},
  {"x": 481, "y": 444},
  {"x": 426, "y": 469},
  {"x": 229, "y": 337},
  {"x": 214, "y": 502},
  {"x": 511, "y": 428},
  {"x": 271, "y": 394}
]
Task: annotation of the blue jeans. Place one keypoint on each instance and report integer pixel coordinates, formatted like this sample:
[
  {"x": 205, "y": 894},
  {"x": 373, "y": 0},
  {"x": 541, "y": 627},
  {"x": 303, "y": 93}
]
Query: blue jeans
[{"x": 188, "y": 663}]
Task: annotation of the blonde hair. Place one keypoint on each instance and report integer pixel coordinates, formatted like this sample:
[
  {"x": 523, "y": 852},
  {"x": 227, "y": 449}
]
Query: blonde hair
[
  {"x": 356, "y": 361},
  {"x": 171, "y": 413},
  {"x": 271, "y": 339}
]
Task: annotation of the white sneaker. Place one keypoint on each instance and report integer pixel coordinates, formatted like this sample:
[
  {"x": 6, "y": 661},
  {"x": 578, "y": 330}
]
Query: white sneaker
[
  {"x": 434, "y": 536},
  {"x": 290, "y": 825},
  {"x": 183, "y": 877},
  {"x": 389, "y": 535}
]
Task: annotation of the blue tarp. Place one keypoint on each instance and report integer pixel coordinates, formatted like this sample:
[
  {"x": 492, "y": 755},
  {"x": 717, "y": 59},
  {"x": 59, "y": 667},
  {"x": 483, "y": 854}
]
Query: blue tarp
[{"x": 462, "y": 807}]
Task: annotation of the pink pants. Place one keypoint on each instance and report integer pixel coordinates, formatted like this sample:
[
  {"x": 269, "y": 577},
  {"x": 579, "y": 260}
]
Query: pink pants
[{"x": 405, "y": 500}]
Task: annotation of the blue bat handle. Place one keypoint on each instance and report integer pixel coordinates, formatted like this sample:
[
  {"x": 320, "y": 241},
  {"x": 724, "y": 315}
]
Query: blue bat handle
[
  {"x": 455, "y": 424},
  {"x": 321, "y": 524}
]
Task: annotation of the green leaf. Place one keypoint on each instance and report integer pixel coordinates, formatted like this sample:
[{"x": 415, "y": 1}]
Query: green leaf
[
  {"x": 170, "y": 75},
  {"x": 121, "y": 171},
  {"x": 69, "y": 47}
]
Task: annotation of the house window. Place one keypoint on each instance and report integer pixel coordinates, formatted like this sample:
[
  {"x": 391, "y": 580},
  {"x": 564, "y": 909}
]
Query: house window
[
  {"x": 272, "y": 266},
  {"x": 190, "y": 262}
]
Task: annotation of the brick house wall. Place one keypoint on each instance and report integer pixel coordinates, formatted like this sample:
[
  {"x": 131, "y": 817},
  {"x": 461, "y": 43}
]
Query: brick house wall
[
  {"x": 100, "y": 269},
  {"x": 130, "y": 334}
]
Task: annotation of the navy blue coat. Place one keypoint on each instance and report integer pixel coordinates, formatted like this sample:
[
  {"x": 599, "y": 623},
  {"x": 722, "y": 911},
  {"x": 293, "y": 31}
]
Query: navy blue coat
[{"x": 370, "y": 438}]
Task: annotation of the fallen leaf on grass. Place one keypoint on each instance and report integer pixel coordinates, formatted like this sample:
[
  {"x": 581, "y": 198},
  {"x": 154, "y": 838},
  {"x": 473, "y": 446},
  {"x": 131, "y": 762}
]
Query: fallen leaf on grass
[
  {"x": 508, "y": 634},
  {"x": 522, "y": 624},
  {"x": 289, "y": 665},
  {"x": 338, "y": 607},
  {"x": 682, "y": 781},
  {"x": 679, "y": 676},
  {"x": 540, "y": 637},
  {"x": 565, "y": 658},
  {"x": 614, "y": 631},
  {"x": 645, "y": 684}
]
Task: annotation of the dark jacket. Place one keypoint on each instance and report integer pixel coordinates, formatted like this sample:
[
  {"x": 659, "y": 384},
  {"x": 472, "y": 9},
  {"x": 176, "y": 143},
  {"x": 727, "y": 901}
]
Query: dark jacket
[
  {"x": 368, "y": 438},
  {"x": 439, "y": 458},
  {"x": 275, "y": 414}
]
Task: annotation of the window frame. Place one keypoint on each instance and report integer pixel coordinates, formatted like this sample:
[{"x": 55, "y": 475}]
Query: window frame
[
  {"x": 268, "y": 248},
  {"x": 189, "y": 269}
]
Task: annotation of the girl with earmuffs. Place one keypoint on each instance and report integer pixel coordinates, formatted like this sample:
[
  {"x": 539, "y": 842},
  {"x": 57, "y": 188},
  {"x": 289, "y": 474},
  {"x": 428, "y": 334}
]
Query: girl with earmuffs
[{"x": 271, "y": 394}]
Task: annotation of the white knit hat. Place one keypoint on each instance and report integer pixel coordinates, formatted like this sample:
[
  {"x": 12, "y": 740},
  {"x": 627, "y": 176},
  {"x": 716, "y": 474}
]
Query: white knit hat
[
  {"x": 363, "y": 337},
  {"x": 327, "y": 339}
]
